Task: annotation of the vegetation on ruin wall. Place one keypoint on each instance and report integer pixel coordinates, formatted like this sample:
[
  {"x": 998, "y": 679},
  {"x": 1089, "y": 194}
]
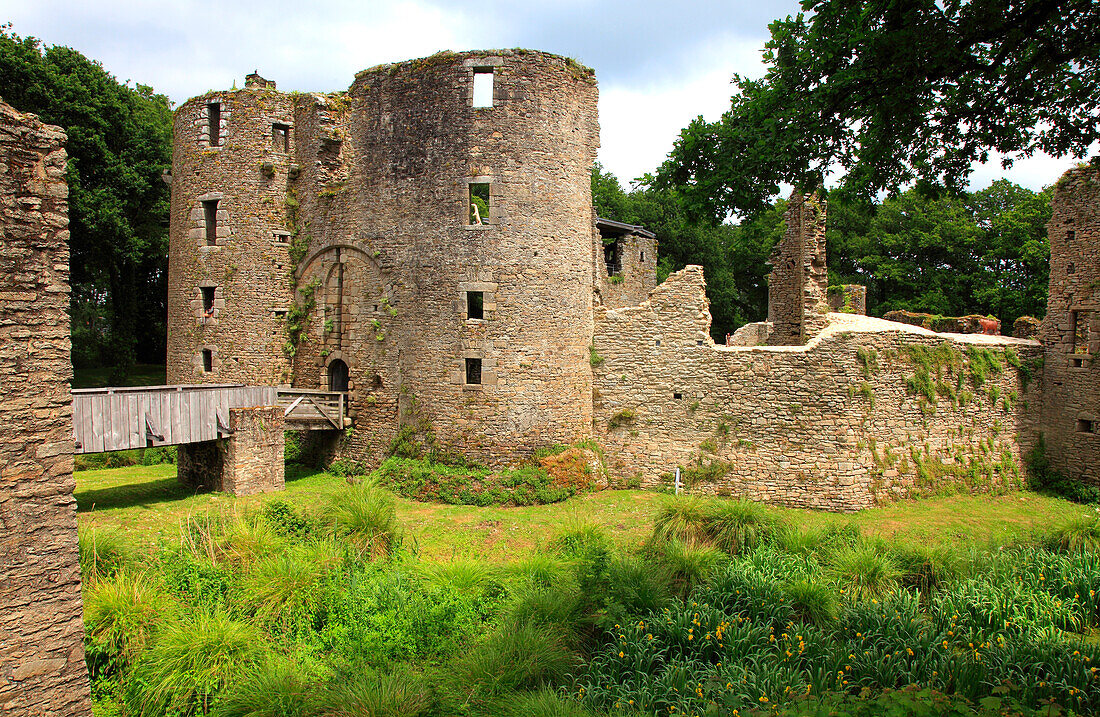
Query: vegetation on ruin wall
[{"x": 327, "y": 610}]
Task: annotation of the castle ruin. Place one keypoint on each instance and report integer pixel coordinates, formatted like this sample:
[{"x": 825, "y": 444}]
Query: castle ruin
[{"x": 426, "y": 243}]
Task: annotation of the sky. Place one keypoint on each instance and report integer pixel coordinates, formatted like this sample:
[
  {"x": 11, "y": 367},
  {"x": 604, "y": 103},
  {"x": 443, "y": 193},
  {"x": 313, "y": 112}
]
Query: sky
[{"x": 659, "y": 64}]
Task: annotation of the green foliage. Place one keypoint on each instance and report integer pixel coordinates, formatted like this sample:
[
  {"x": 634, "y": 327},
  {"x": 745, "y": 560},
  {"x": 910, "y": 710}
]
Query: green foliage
[
  {"x": 594, "y": 359},
  {"x": 622, "y": 417},
  {"x": 297, "y": 317},
  {"x": 424, "y": 479},
  {"x": 119, "y": 144},
  {"x": 103, "y": 552},
  {"x": 121, "y": 615},
  {"x": 273, "y": 688},
  {"x": 524, "y": 657},
  {"x": 370, "y": 694},
  {"x": 864, "y": 571},
  {"x": 1041, "y": 476}
]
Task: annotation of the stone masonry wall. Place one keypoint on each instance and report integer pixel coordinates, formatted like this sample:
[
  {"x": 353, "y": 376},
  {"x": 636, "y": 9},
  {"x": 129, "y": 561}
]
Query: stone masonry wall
[
  {"x": 833, "y": 424},
  {"x": 42, "y": 670},
  {"x": 638, "y": 275},
  {"x": 1071, "y": 329},
  {"x": 798, "y": 283},
  {"x": 254, "y": 453}
]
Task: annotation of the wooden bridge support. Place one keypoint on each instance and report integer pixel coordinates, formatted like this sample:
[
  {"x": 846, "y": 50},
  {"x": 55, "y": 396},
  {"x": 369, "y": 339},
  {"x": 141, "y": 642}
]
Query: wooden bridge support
[{"x": 249, "y": 461}]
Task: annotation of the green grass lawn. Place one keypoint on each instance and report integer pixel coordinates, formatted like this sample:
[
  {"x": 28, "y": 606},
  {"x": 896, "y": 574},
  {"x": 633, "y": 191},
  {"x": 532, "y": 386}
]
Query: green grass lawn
[
  {"x": 147, "y": 504},
  {"x": 141, "y": 375}
]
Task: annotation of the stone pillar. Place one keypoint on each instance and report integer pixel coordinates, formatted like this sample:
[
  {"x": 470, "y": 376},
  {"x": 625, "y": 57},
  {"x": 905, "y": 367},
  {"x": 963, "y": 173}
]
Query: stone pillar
[
  {"x": 42, "y": 670},
  {"x": 798, "y": 284},
  {"x": 848, "y": 299},
  {"x": 254, "y": 452},
  {"x": 249, "y": 461}
]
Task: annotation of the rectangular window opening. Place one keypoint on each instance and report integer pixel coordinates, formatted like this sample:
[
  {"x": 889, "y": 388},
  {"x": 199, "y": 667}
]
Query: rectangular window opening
[
  {"x": 280, "y": 137},
  {"x": 1071, "y": 268},
  {"x": 1077, "y": 362},
  {"x": 1086, "y": 426},
  {"x": 612, "y": 258},
  {"x": 214, "y": 114},
  {"x": 207, "y": 300},
  {"x": 483, "y": 87},
  {"x": 479, "y": 203},
  {"x": 678, "y": 396},
  {"x": 1070, "y": 236},
  {"x": 1079, "y": 331},
  {"x": 207, "y": 360},
  {"x": 473, "y": 371},
  {"x": 475, "y": 305},
  {"x": 210, "y": 218}
]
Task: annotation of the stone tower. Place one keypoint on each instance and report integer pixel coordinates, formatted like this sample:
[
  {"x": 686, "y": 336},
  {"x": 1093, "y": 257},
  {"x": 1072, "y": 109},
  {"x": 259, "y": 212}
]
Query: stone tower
[
  {"x": 436, "y": 224},
  {"x": 798, "y": 284},
  {"x": 228, "y": 262},
  {"x": 1071, "y": 330}
]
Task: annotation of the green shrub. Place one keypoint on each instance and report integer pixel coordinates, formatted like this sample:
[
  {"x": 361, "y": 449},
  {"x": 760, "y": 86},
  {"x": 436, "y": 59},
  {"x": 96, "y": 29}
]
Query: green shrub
[
  {"x": 473, "y": 578},
  {"x": 103, "y": 552},
  {"x": 285, "y": 520},
  {"x": 347, "y": 468},
  {"x": 864, "y": 571},
  {"x": 190, "y": 663},
  {"x": 365, "y": 515},
  {"x": 636, "y": 586}
]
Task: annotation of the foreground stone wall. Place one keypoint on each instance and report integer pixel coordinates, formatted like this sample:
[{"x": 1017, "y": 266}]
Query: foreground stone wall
[
  {"x": 42, "y": 670},
  {"x": 833, "y": 424},
  {"x": 1071, "y": 329}
]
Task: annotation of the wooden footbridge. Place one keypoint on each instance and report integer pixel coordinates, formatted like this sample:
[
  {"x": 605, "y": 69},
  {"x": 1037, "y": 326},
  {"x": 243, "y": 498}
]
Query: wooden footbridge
[{"x": 116, "y": 419}]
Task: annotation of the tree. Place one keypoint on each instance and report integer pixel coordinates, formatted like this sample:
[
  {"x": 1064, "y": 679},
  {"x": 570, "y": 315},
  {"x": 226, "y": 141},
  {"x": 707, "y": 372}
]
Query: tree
[
  {"x": 119, "y": 145},
  {"x": 893, "y": 92}
]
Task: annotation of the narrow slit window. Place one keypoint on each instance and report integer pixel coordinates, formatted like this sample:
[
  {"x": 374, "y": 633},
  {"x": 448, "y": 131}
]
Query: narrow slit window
[
  {"x": 1070, "y": 236},
  {"x": 475, "y": 305},
  {"x": 207, "y": 360},
  {"x": 483, "y": 87},
  {"x": 280, "y": 137},
  {"x": 214, "y": 117},
  {"x": 473, "y": 371},
  {"x": 479, "y": 203},
  {"x": 1071, "y": 268},
  {"x": 210, "y": 218},
  {"x": 641, "y": 256},
  {"x": 207, "y": 301},
  {"x": 1086, "y": 426}
]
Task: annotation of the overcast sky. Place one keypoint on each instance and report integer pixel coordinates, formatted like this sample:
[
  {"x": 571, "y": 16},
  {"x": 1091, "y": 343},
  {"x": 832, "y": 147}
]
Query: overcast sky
[{"x": 659, "y": 63}]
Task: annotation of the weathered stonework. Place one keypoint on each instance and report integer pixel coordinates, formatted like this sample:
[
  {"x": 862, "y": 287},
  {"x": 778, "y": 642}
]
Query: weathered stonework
[
  {"x": 832, "y": 424},
  {"x": 1027, "y": 327},
  {"x": 625, "y": 258},
  {"x": 249, "y": 461},
  {"x": 798, "y": 284},
  {"x": 42, "y": 670},
  {"x": 1071, "y": 329},
  {"x": 970, "y": 324},
  {"x": 848, "y": 299}
]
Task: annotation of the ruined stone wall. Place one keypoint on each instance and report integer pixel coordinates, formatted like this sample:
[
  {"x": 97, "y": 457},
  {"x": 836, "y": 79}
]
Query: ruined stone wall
[
  {"x": 833, "y": 424},
  {"x": 1071, "y": 329},
  {"x": 254, "y": 453},
  {"x": 637, "y": 275},
  {"x": 848, "y": 299},
  {"x": 798, "y": 283},
  {"x": 42, "y": 670},
  {"x": 244, "y": 167}
]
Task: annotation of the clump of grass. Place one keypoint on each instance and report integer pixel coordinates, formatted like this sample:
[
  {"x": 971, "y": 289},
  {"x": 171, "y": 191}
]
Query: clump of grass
[
  {"x": 813, "y": 601},
  {"x": 926, "y": 567},
  {"x": 470, "y": 577},
  {"x": 364, "y": 514},
  {"x": 737, "y": 526},
  {"x": 281, "y": 587},
  {"x": 103, "y": 552},
  {"x": 273, "y": 688},
  {"x": 190, "y": 663},
  {"x": 689, "y": 564},
  {"x": 122, "y": 612},
  {"x": 864, "y": 572},
  {"x": 369, "y": 694},
  {"x": 1076, "y": 535},
  {"x": 546, "y": 703},
  {"x": 683, "y": 518},
  {"x": 247, "y": 539},
  {"x": 525, "y": 656}
]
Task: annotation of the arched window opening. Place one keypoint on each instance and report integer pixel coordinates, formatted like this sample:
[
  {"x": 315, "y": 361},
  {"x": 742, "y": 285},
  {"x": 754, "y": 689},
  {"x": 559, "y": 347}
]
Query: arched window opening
[{"x": 338, "y": 376}]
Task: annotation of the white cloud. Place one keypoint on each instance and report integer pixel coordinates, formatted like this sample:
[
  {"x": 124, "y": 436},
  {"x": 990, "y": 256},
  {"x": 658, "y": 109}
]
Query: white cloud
[{"x": 638, "y": 124}]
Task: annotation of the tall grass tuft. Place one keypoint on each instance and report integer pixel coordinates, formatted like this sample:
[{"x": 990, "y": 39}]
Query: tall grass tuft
[
  {"x": 689, "y": 564},
  {"x": 248, "y": 538},
  {"x": 524, "y": 656},
  {"x": 545, "y": 703},
  {"x": 283, "y": 588},
  {"x": 364, "y": 514},
  {"x": 813, "y": 601},
  {"x": 367, "y": 693},
  {"x": 926, "y": 567},
  {"x": 473, "y": 578},
  {"x": 683, "y": 518},
  {"x": 864, "y": 571},
  {"x": 737, "y": 526},
  {"x": 190, "y": 663},
  {"x": 103, "y": 552},
  {"x": 1076, "y": 535},
  {"x": 275, "y": 687},
  {"x": 122, "y": 612}
]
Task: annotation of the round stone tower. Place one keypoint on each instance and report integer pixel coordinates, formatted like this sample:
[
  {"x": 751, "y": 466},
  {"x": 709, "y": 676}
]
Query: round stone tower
[{"x": 228, "y": 265}]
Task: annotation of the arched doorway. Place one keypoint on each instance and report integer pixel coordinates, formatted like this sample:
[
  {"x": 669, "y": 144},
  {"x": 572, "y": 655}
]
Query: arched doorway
[{"x": 338, "y": 376}]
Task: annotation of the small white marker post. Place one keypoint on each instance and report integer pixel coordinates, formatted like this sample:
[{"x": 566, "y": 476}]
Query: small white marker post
[{"x": 678, "y": 485}]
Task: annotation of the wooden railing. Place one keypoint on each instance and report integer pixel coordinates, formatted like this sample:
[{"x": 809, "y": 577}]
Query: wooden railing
[{"x": 313, "y": 409}]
